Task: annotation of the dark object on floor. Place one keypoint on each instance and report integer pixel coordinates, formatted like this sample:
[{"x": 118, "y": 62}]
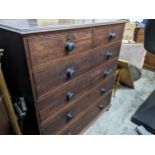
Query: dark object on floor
[
  {"x": 135, "y": 72},
  {"x": 142, "y": 131},
  {"x": 21, "y": 110},
  {"x": 145, "y": 114}
]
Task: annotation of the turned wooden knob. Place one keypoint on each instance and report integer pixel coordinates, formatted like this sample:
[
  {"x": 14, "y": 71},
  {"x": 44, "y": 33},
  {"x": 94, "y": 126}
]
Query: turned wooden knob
[
  {"x": 70, "y": 45},
  {"x": 70, "y": 73},
  {"x": 70, "y": 95},
  {"x": 109, "y": 55},
  {"x": 103, "y": 90},
  {"x": 107, "y": 72},
  {"x": 112, "y": 35},
  {"x": 101, "y": 106},
  {"x": 69, "y": 116}
]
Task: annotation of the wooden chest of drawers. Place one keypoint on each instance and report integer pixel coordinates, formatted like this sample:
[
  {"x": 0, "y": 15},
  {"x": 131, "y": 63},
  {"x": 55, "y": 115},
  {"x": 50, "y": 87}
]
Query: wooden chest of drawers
[{"x": 64, "y": 72}]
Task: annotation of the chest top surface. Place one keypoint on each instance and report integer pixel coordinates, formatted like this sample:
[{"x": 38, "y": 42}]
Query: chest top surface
[{"x": 28, "y": 26}]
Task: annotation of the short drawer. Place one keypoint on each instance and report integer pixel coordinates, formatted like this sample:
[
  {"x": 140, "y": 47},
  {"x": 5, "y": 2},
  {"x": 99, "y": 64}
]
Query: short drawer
[
  {"x": 107, "y": 34},
  {"x": 65, "y": 70},
  {"x": 48, "y": 47},
  {"x": 69, "y": 114},
  {"x": 87, "y": 117},
  {"x": 70, "y": 93}
]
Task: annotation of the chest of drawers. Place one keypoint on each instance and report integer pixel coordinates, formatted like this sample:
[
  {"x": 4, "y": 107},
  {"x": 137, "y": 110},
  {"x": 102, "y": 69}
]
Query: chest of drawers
[{"x": 65, "y": 72}]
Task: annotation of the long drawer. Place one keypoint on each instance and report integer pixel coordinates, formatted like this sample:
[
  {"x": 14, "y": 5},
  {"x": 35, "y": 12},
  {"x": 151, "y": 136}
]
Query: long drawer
[
  {"x": 71, "y": 112},
  {"x": 105, "y": 35},
  {"x": 65, "y": 70},
  {"x": 87, "y": 117},
  {"x": 69, "y": 116},
  {"x": 70, "y": 92},
  {"x": 48, "y": 47}
]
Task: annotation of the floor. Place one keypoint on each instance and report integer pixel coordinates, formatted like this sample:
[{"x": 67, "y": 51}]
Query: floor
[{"x": 116, "y": 121}]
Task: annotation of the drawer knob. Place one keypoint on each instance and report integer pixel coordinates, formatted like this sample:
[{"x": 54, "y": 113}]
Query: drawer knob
[
  {"x": 112, "y": 35},
  {"x": 70, "y": 72},
  {"x": 70, "y": 95},
  {"x": 107, "y": 72},
  {"x": 100, "y": 106},
  {"x": 69, "y": 116},
  {"x": 109, "y": 54},
  {"x": 70, "y": 45},
  {"x": 103, "y": 90}
]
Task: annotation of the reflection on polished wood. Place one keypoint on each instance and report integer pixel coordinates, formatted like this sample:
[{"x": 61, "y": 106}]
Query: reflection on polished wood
[{"x": 24, "y": 26}]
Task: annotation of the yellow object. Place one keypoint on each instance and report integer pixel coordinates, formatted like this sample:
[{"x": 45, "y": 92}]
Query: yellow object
[
  {"x": 117, "y": 80},
  {"x": 125, "y": 73},
  {"x": 8, "y": 102}
]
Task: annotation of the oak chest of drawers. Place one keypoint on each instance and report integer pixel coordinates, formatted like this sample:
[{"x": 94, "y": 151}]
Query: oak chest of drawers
[{"x": 65, "y": 72}]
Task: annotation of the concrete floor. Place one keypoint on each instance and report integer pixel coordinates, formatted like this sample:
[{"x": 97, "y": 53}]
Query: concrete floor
[{"x": 116, "y": 121}]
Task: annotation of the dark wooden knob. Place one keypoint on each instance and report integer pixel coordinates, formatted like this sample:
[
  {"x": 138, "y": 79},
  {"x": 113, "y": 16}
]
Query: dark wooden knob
[
  {"x": 69, "y": 116},
  {"x": 70, "y": 95},
  {"x": 70, "y": 72},
  {"x": 107, "y": 72},
  {"x": 103, "y": 90},
  {"x": 109, "y": 55},
  {"x": 70, "y": 45},
  {"x": 112, "y": 35},
  {"x": 100, "y": 106}
]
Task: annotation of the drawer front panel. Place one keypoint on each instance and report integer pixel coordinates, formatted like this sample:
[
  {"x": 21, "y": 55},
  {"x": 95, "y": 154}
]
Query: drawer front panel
[
  {"x": 60, "y": 124},
  {"x": 60, "y": 98},
  {"x": 105, "y": 35},
  {"x": 90, "y": 115},
  {"x": 68, "y": 115},
  {"x": 45, "y": 49},
  {"x": 67, "y": 69}
]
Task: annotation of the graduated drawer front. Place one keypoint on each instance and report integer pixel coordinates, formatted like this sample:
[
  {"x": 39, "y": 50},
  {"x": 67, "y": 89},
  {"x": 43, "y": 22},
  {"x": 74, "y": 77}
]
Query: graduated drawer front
[
  {"x": 58, "y": 99},
  {"x": 69, "y": 114},
  {"x": 54, "y": 75},
  {"x": 107, "y": 34},
  {"x": 48, "y": 47},
  {"x": 87, "y": 117}
]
